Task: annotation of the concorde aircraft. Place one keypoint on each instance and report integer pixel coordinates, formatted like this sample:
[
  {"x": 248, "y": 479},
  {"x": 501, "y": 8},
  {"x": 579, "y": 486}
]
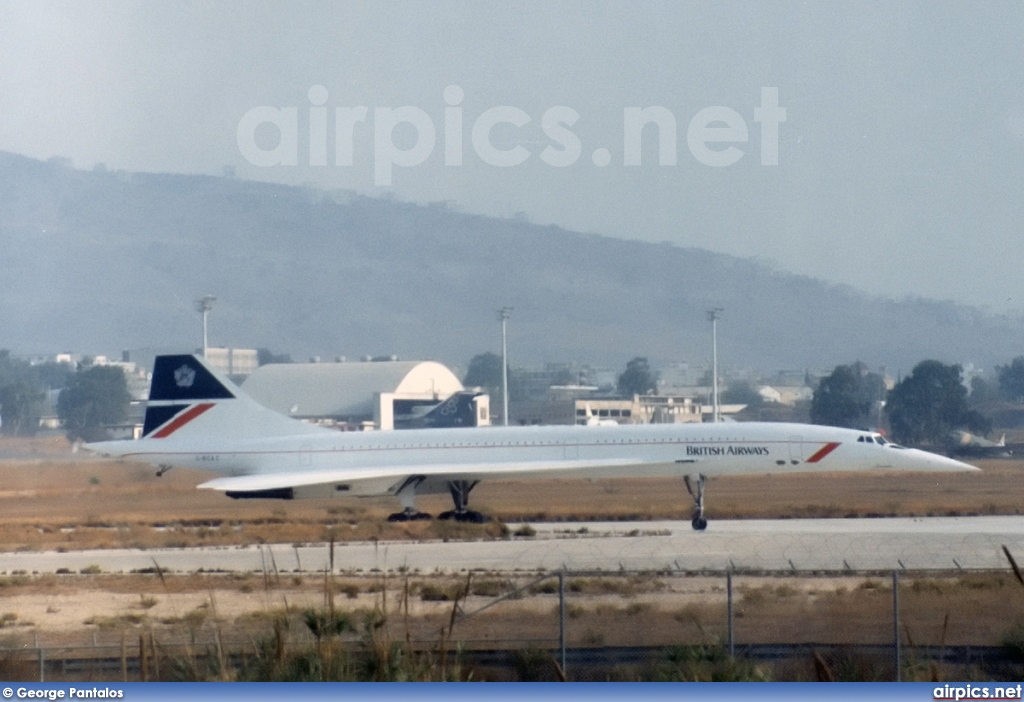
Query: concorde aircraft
[{"x": 198, "y": 418}]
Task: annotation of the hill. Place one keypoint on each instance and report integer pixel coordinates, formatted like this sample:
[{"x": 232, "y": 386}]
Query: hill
[{"x": 96, "y": 261}]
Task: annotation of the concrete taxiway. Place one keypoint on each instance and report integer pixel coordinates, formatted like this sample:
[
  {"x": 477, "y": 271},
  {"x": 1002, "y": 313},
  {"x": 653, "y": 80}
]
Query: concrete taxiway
[{"x": 939, "y": 543}]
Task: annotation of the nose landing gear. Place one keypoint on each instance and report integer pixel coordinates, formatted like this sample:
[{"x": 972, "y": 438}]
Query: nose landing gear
[
  {"x": 407, "y": 496},
  {"x": 699, "y": 523}
]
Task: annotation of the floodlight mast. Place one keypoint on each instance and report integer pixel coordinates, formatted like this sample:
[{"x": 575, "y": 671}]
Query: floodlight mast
[
  {"x": 503, "y": 314},
  {"x": 713, "y": 316},
  {"x": 204, "y": 305}
]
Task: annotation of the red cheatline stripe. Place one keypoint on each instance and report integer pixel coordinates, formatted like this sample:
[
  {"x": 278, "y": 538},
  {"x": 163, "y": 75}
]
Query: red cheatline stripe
[
  {"x": 823, "y": 451},
  {"x": 182, "y": 419}
]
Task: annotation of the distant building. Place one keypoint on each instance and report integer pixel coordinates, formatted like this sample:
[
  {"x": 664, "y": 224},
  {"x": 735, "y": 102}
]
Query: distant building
[
  {"x": 235, "y": 363},
  {"x": 533, "y": 383},
  {"x": 669, "y": 409},
  {"x": 674, "y": 378},
  {"x": 581, "y": 405},
  {"x": 786, "y": 395}
]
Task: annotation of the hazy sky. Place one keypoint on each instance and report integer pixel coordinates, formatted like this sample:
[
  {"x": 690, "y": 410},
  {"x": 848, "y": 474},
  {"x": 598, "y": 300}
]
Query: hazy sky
[{"x": 899, "y": 161}]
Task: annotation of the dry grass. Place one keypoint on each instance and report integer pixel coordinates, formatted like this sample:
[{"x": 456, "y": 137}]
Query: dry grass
[{"x": 621, "y": 611}]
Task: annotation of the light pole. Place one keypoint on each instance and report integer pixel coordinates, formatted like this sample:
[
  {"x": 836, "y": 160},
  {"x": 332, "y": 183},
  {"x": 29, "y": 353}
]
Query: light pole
[
  {"x": 204, "y": 305},
  {"x": 713, "y": 315},
  {"x": 503, "y": 314}
]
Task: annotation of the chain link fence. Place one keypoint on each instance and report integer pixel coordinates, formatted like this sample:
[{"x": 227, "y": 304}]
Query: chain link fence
[{"x": 574, "y": 625}]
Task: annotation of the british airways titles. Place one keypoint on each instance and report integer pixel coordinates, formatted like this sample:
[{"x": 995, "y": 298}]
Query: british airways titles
[{"x": 729, "y": 450}]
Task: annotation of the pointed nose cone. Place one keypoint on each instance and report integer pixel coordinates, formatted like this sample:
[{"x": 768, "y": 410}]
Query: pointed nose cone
[{"x": 935, "y": 462}]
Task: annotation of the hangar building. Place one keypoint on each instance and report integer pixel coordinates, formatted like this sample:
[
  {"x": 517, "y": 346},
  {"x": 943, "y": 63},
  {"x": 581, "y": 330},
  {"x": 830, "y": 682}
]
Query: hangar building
[{"x": 375, "y": 394}]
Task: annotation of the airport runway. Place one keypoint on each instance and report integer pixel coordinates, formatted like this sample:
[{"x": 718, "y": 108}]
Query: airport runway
[{"x": 932, "y": 543}]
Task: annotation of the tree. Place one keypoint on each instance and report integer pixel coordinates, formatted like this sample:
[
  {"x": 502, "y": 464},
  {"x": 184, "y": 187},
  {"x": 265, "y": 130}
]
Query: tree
[
  {"x": 847, "y": 397},
  {"x": 1011, "y": 380},
  {"x": 637, "y": 379},
  {"x": 54, "y": 376},
  {"x": 265, "y": 356},
  {"x": 21, "y": 396},
  {"x": 983, "y": 392},
  {"x": 930, "y": 403},
  {"x": 742, "y": 393},
  {"x": 19, "y": 408},
  {"x": 484, "y": 371},
  {"x": 97, "y": 396}
]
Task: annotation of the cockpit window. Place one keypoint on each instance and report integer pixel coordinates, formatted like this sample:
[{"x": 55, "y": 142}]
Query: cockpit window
[{"x": 875, "y": 439}]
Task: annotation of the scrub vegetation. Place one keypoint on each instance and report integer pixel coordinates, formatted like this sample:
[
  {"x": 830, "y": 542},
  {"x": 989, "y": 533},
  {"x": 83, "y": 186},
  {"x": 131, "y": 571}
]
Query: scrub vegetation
[{"x": 415, "y": 626}]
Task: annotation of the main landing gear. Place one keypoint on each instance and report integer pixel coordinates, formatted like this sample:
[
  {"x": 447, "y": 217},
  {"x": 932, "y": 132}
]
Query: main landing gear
[
  {"x": 699, "y": 522},
  {"x": 460, "y": 496},
  {"x": 459, "y": 490}
]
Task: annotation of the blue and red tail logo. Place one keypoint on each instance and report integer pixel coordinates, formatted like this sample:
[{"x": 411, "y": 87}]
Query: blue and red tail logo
[
  {"x": 164, "y": 420},
  {"x": 184, "y": 378},
  {"x": 182, "y": 390}
]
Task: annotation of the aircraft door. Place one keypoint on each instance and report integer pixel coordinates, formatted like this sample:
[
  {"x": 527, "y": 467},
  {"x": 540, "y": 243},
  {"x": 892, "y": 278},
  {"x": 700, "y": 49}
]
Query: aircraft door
[{"x": 796, "y": 450}]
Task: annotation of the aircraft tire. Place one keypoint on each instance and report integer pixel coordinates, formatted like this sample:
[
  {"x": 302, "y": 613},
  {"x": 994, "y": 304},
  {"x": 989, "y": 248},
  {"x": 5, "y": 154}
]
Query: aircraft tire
[
  {"x": 469, "y": 516},
  {"x": 408, "y": 517}
]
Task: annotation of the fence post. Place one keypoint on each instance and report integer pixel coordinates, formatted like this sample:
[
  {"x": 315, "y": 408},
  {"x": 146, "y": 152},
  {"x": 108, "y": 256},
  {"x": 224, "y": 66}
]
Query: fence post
[
  {"x": 143, "y": 663},
  {"x": 728, "y": 589},
  {"x": 42, "y": 665},
  {"x": 561, "y": 615},
  {"x": 896, "y": 621}
]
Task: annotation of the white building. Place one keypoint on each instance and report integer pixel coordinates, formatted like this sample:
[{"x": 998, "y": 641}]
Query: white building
[
  {"x": 786, "y": 395},
  {"x": 364, "y": 394}
]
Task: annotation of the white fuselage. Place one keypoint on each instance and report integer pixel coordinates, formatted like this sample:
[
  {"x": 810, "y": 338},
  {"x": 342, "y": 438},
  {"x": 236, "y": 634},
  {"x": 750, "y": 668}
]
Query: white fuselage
[{"x": 512, "y": 452}]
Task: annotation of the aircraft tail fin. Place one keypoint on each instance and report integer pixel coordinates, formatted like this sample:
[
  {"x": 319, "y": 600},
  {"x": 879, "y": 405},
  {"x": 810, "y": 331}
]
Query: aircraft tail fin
[
  {"x": 187, "y": 396},
  {"x": 458, "y": 410},
  {"x": 594, "y": 420}
]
